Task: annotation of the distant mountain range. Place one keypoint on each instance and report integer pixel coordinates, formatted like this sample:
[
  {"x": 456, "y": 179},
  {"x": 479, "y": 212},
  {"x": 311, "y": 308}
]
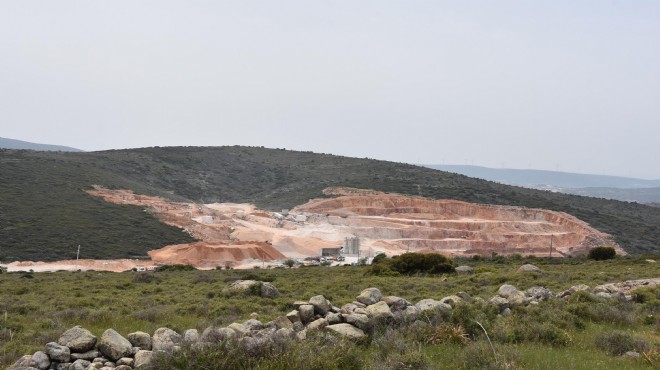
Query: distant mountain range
[
  {"x": 19, "y": 144},
  {"x": 600, "y": 186}
]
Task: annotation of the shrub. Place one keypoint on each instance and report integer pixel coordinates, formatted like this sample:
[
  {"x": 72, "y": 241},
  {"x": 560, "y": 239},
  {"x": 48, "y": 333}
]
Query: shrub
[
  {"x": 177, "y": 267},
  {"x": 144, "y": 277},
  {"x": 289, "y": 263},
  {"x": 444, "y": 333},
  {"x": 379, "y": 258},
  {"x": 602, "y": 253},
  {"x": 409, "y": 264},
  {"x": 394, "y": 351},
  {"x": 617, "y": 343},
  {"x": 479, "y": 355},
  {"x": 413, "y": 263},
  {"x": 381, "y": 269}
]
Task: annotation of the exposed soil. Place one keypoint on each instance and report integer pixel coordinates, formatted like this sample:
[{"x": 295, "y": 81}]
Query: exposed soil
[{"x": 239, "y": 235}]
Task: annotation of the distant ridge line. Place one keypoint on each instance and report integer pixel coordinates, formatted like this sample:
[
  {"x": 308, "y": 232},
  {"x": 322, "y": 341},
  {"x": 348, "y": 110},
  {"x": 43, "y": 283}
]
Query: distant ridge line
[
  {"x": 6, "y": 143},
  {"x": 536, "y": 178}
]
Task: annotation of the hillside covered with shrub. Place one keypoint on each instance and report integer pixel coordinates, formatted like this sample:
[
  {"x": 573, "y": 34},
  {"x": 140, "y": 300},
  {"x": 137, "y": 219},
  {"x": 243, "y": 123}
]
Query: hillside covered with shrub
[{"x": 44, "y": 211}]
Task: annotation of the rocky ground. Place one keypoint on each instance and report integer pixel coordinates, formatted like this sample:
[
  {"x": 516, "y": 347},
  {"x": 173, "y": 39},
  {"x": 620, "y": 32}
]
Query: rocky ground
[{"x": 79, "y": 349}]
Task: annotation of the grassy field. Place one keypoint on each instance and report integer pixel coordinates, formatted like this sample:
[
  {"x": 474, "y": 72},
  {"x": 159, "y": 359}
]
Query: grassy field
[
  {"x": 45, "y": 214},
  {"x": 36, "y": 308}
]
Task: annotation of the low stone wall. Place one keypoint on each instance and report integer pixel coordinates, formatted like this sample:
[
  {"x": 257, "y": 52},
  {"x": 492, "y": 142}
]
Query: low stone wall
[{"x": 79, "y": 349}]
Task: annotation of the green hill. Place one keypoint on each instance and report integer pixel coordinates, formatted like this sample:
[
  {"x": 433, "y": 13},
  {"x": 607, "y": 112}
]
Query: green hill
[{"x": 44, "y": 213}]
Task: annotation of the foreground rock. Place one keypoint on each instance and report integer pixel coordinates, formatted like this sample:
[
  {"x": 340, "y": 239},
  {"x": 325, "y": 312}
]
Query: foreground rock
[
  {"x": 346, "y": 330},
  {"x": 113, "y": 346},
  {"x": 529, "y": 268},
  {"x": 78, "y": 339},
  {"x": 260, "y": 288}
]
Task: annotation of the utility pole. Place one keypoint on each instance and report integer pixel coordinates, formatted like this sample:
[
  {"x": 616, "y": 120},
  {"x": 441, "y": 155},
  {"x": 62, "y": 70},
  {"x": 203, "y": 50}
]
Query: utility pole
[{"x": 551, "y": 238}]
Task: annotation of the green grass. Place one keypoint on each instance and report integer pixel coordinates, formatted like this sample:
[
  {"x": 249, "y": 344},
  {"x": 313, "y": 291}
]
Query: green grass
[
  {"x": 44, "y": 212},
  {"x": 40, "y": 306}
]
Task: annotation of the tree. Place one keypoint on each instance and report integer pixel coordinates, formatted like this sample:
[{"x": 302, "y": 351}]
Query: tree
[
  {"x": 289, "y": 263},
  {"x": 602, "y": 253}
]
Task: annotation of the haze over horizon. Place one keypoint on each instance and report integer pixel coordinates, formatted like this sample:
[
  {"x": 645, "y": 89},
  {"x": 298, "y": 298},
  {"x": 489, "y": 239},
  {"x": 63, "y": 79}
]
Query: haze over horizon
[{"x": 562, "y": 86}]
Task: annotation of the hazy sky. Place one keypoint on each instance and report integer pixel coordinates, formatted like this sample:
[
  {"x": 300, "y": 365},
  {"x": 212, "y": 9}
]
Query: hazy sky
[{"x": 559, "y": 85}]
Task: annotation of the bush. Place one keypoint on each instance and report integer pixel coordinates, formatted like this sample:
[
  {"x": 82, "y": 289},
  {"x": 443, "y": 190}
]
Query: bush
[
  {"x": 617, "y": 343},
  {"x": 178, "y": 267},
  {"x": 289, "y": 263},
  {"x": 602, "y": 253},
  {"x": 409, "y": 264},
  {"x": 144, "y": 277},
  {"x": 414, "y": 263},
  {"x": 479, "y": 355},
  {"x": 380, "y": 257}
]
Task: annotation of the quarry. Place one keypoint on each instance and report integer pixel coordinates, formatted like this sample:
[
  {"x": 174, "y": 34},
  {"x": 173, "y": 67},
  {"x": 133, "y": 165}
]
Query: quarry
[{"x": 348, "y": 225}]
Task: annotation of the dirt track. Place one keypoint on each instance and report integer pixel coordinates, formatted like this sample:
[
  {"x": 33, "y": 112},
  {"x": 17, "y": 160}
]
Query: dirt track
[{"x": 239, "y": 235}]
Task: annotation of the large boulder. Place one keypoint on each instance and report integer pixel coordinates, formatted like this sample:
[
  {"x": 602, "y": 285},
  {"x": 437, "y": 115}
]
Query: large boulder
[
  {"x": 165, "y": 339},
  {"x": 499, "y": 302},
  {"x": 57, "y": 352},
  {"x": 507, "y": 290},
  {"x": 79, "y": 365},
  {"x": 78, "y": 339},
  {"x": 40, "y": 360},
  {"x": 529, "y": 268},
  {"x": 410, "y": 314},
  {"x": 282, "y": 322},
  {"x": 126, "y": 361},
  {"x": 346, "y": 330},
  {"x": 140, "y": 339},
  {"x": 215, "y": 335},
  {"x": 143, "y": 359},
  {"x": 358, "y": 320},
  {"x": 23, "y": 363},
  {"x": 113, "y": 346},
  {"x": 191, "y": 336},
  {"x": 89, "y": 355},
  {"x": 321, "y": 305},
  {"x": 396, "y": 303},
  {"x": 379, "y": 312},
  {"x": 464, "y": 270},
  {"x": 452, "y": 300},
  {"x": 253, "y": 325},
  {"x": 369, "y": 296},
  {"x": 574, "y": 289},
  {"x": 306, "y": 312},
  {"x": 239, "y": 329},
  {"x": 433, "y": 307},
  {"x": 260, "y": 288},
  {"x": 293, "y": 316},
  {"x": 317, "y": 324},
  {"x": 538, "y": 293},
  {"x": 333, "y": 318}
]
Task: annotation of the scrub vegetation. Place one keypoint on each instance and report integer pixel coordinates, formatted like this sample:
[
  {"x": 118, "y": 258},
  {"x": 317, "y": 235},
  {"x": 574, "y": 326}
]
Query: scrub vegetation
[{"x": 581, "y": 332}]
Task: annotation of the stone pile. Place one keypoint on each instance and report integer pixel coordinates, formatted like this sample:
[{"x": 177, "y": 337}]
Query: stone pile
[
  {"x": 508, "y": 296},
  {"x": 78, "y": 349}
]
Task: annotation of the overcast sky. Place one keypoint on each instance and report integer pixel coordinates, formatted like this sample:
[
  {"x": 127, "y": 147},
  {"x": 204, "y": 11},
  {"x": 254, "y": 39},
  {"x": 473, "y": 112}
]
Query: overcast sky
[{"x": 558, "y": 85}]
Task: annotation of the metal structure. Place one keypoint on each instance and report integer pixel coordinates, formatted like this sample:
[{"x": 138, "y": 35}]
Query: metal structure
[{"x": 352, "y": 246}]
